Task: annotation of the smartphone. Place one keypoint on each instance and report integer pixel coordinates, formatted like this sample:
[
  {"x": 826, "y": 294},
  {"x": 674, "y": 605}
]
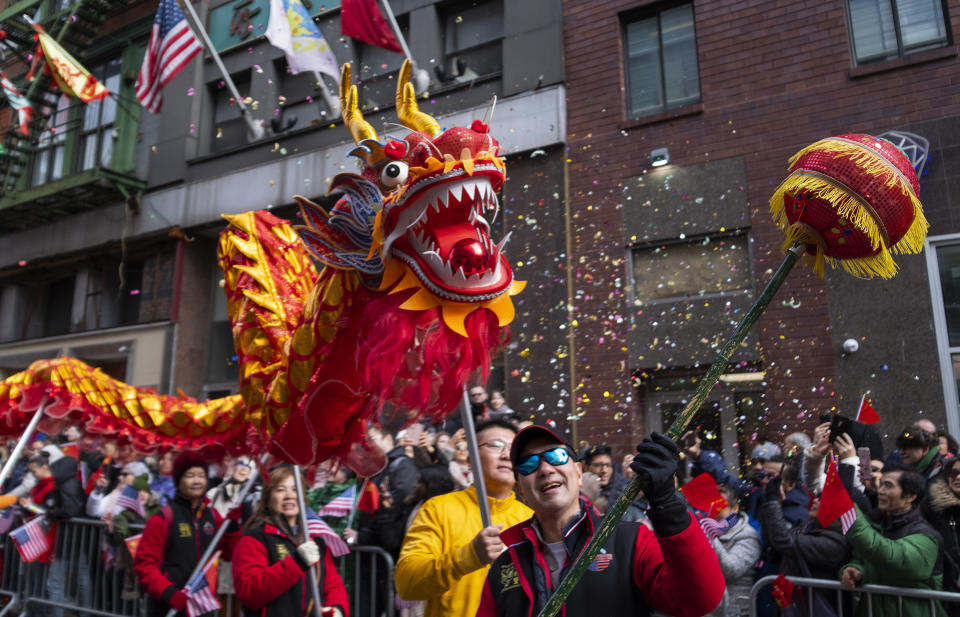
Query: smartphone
[
  {"x": 838, "y": 426},
  {"x": 825, "y": 417},
  {"x": 866, "y": 471},
  {"x": 690, "y": 440}
]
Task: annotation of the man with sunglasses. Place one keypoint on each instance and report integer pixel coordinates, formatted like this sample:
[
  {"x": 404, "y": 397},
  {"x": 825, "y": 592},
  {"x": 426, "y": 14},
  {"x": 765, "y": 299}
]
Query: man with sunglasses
[
  {"x": 446, "y": 552},
  {"x": 671, "y": 569}
]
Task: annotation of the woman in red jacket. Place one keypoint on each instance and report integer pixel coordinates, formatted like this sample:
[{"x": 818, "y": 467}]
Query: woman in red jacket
[{"x": 271, "y": 561}]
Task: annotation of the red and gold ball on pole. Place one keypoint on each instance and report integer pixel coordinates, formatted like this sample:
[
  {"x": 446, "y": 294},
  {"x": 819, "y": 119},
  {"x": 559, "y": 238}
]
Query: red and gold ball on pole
[{"x": 852, "y": 200}]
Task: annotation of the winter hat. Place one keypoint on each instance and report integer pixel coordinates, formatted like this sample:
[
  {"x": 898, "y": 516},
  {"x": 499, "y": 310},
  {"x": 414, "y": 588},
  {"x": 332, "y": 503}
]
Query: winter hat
[
  {"x": 765, "y": 451},
  {"x": 186, "y": 461},
  {"x": 141, "y": 483},
  {"x": 137, "y": 469}
]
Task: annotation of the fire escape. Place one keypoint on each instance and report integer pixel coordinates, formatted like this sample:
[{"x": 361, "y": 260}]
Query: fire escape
[{"x": 26, "y": 200}]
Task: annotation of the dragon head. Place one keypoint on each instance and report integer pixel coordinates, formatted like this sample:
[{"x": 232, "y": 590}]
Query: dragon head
[{"x": 439, "y": 199}]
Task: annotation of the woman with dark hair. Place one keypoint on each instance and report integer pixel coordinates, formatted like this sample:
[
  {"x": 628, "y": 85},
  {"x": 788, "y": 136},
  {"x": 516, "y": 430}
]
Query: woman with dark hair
[
  {"x": 948, "y": 445},
  {"x": 175, "y": 538},
  {"x": 273, "y": 559}
]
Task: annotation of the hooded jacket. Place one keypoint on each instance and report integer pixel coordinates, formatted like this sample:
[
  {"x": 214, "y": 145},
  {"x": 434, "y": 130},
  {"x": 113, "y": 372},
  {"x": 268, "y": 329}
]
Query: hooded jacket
[
  {"x": 438, "y": 563},
  {"x": 635, "y": 573},
  {"x": 901, "y": 551},
  {"x": 738, "y": 551},
  {"x": 942, "y": 509},
  {"x": 69, "y": 500}
]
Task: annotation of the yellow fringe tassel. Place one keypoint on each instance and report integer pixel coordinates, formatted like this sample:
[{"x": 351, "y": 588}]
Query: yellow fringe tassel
[
  {"x": 874, "y": 164},
  {"x": 798, "y": 233},
  {"x": 846, "y": 206}
]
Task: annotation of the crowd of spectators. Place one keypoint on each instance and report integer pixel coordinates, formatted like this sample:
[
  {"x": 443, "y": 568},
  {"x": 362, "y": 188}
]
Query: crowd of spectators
[{"x": 422, "y": 509}]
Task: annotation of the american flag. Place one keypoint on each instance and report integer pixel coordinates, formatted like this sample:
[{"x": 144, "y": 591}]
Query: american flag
[
  {"x": 316, "y": 526},
  {"x": 201, "y": 597},
  {"x": 129, "y": 499},
  {"x": 340, "y": 505},
  {"x": 172, "y": 45},
  {"x": 31, "y": 539}
]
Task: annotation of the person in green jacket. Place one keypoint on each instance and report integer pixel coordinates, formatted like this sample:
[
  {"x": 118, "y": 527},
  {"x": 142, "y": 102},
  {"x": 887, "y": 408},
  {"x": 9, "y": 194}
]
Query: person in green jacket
[{"x": 894, "y": 545}]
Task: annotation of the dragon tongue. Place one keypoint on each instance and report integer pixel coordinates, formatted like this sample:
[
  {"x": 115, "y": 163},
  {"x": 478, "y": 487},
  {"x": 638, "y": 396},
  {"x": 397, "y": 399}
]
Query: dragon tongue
[{"x": 450, "y": 236}]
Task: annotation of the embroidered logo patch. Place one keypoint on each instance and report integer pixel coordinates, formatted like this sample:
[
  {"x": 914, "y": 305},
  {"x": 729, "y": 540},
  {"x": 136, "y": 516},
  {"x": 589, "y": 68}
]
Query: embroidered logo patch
[
  {"x": 508, "y": 577},
  {"x": 281, "y": 550},
  {"x": 208, "y": 528},
  {"x": 185, "y": 530},
  {"x": 601, "y": 562}
]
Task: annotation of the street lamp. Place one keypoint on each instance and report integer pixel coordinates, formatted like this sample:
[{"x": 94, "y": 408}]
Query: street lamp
[{"x": 659, "y": 157}]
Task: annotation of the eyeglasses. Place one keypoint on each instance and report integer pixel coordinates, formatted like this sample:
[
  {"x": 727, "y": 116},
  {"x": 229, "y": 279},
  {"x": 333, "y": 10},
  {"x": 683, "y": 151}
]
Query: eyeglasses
[
  {"x": 531, "y": 462},
  {"x": 460, "y": 446},
  {"x": 496, "y": 444},
  {"x": 954, "y": 473}
]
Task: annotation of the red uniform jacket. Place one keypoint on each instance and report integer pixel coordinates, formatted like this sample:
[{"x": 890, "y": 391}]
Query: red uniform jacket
[
  {"x": 270, "y": 577},
  {"x": 636, "y": 571}
]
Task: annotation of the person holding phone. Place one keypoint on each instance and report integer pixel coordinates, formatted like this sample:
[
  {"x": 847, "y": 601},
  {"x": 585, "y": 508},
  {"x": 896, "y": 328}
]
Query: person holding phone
[{"x": 814, "y": 472}]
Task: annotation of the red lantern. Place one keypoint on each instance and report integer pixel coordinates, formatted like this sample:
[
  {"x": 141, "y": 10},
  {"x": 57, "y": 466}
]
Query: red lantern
[{"x": 852, "y": 200}]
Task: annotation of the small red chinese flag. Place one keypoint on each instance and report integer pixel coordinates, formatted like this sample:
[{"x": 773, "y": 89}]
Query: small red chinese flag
[
  {"x": 867, "y": 414},
  {"x": 369, "y": 499},
  {"x": 783, "y": 591},
  {"x": 835, "y": 502},
  {"x": 702, "y": 494},
  {"x": 362, "y": 20},
  {"x": 132, "y": 543}
]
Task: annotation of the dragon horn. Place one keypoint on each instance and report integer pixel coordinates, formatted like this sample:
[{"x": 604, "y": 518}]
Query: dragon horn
[
  {"x": 407, "y": 110},
  {"x": 352, "y": 118}
]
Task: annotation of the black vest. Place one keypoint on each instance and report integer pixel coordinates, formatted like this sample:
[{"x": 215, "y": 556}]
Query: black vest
[
  {"x": 294, "y": 601},
  {"x": 520, "y": 577},
  {"x": 189, "y": 533}
]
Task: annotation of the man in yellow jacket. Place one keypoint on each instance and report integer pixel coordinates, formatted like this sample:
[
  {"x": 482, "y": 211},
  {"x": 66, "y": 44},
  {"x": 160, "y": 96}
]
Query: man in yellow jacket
[{"x": 446, "y": 553}]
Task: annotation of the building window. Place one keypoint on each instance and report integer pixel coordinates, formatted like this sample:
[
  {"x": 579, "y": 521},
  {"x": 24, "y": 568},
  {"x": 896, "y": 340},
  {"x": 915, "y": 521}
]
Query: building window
[
  {"x": 886, "y": 29},
  {"x": 229, "y": 128},
  {"x": 472, "y": 36},
  {"x": 97, "y": 133},
  {"x": 709, "y": 266},
  {"x": 661, "y": 61},
  {"x": 49, "y": 159}
]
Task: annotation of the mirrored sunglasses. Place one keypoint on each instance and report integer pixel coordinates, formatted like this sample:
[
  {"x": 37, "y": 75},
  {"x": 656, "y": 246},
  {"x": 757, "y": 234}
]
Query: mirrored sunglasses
[{"x": 531, "y": 462}]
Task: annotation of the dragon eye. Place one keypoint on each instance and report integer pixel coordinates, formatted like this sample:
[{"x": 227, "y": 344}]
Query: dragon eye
[{"x": 393, "y": 174}]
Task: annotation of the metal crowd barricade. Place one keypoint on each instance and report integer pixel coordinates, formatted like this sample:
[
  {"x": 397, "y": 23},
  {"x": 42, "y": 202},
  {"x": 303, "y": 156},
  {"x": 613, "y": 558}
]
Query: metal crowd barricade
[
  {"x": 81, "y": 577},
  {"x": 866, "y": 593},
  {"x": 372, "y": 581}
]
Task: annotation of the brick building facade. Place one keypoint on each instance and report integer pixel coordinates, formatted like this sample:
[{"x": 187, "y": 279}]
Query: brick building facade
[{"x": 772, "y": 76}]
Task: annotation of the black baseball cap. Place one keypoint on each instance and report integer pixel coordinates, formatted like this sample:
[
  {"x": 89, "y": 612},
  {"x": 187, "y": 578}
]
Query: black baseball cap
[{"x": 530, "y": 433}]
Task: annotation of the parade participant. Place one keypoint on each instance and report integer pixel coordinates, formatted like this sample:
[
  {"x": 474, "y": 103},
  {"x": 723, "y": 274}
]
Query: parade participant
[
  {"x": 671, "y": 569},
  {"x": 446, "y": 553},
  {"x": 272, "y": 560},
  {"x": 175, "y": 539}
]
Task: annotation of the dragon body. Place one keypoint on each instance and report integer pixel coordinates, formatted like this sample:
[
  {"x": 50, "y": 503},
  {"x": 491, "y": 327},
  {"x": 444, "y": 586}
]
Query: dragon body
[{"x": 395, "y": 296}]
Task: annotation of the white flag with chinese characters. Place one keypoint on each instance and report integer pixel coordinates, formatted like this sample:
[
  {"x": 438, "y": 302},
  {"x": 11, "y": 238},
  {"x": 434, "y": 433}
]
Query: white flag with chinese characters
[{"x": 293, "y": 30}]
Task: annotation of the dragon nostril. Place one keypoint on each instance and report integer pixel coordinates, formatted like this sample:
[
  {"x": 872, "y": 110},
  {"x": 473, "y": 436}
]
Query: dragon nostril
[{"x": 470, "y": 255}]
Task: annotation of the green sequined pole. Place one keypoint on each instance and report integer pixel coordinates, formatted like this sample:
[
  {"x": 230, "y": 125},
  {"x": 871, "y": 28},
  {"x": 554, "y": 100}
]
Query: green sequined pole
[{"x": 615, "y": 513}]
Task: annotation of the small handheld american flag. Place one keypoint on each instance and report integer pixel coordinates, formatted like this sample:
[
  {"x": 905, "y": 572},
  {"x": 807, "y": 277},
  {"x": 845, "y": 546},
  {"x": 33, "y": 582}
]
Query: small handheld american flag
[
  {"x": 341, "y": 504},
  {"x": 316, "y": 526},
  {"x": 129, "y": 499},
  {"x": 201, "y": 598},
  {"x": 31, "y": 539}
]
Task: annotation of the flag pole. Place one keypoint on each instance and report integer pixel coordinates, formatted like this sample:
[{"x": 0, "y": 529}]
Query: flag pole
[
  {"x": 22, "y": 443},
  {"x": 356, "y": 503},
  {"x": 421, "y": 77},
  {"x": 254, "y": 130},
  {"x": 333, "y": 102},
  {"x": 302, "y": 506},
  {"x": 212, "y": 547},
  {"x": 466, "y": 418}
]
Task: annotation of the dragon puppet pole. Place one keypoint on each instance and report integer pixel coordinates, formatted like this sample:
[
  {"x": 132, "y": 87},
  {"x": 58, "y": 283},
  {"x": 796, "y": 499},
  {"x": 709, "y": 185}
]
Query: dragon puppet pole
[
  {"x": 616, "y": 511},
  {"x": 466, "y": 418},
  {"x": 22, "y": 442},
  {"x": 212, "y": 547},
  {"x": 302, "y": 506}
]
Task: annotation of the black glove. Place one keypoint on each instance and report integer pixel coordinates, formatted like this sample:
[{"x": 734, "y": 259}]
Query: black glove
[
  {"x": 772, "y": 492},
  {"x": 656, "y": 463}
]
